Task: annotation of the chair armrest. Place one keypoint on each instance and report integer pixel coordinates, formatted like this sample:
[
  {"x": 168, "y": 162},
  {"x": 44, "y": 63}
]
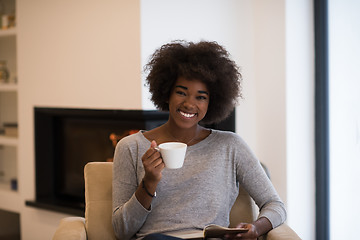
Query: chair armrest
[
  {"x": 282, "y": 232},
  {"x": 71, "y": 228}
]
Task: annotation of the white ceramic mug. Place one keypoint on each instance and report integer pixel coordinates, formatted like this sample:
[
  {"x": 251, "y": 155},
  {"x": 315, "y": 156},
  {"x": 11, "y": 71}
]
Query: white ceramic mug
[{"x": 173, "y": 154}]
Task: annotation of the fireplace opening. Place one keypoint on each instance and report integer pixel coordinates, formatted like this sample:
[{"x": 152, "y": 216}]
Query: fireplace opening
[{"x": 67, "y": 139}]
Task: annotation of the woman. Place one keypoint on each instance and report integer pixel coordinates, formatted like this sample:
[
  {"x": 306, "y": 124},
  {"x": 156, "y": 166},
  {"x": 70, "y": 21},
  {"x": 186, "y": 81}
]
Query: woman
[{"x": 195, "y": 82}]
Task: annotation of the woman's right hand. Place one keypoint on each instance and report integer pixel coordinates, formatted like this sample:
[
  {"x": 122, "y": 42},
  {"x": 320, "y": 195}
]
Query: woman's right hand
[{"x": 153, "y": 164}]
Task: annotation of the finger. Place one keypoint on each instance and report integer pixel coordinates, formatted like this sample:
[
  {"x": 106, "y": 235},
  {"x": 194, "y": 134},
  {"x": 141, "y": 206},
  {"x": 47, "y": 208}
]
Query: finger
[
  {"x": 151, "y": 150},
  {"x": 244, "y": 225},
  {"x": 232, "y": 236},
  {"x": 152, "y": 158},
  {"x": 153, "y": 144},
  {"x": 241, "y": 225},
  {"x": 159, "y": 164},
  {"x": 150, "y": 154}
]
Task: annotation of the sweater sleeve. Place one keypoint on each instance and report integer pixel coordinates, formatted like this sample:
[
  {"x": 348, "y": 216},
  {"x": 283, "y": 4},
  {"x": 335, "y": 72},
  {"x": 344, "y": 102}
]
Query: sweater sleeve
[
  {"x": 128, "y": 214},
  {"x": 253, "y": 178}
]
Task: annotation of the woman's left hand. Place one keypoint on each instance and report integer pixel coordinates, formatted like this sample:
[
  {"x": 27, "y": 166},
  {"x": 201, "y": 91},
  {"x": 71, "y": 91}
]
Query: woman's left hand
[
  {"x": 251, "y": 234},
  {"x": 260, "y": 227}
]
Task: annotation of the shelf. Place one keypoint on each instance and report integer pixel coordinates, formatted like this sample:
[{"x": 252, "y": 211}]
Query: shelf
[
  {"x": 8, "y": 32},
  {"x": 57, "y": 207},
  {"x": 8, "y": 87},
  {"x": 8, "y": 141},
  {"x": 5, "y": 187},
  {"x": 9, "y": 199}
]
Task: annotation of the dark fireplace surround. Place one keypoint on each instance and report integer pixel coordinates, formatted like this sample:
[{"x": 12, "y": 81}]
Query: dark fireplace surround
[{"x": 67, "y": 139}]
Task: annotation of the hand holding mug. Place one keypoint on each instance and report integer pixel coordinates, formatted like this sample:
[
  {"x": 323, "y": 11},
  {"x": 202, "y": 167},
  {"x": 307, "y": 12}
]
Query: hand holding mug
[{"x": 153, "y": 164}]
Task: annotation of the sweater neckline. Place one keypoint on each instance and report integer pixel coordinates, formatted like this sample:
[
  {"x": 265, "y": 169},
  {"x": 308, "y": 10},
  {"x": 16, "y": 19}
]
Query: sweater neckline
[{"x": 202, "y": 142}]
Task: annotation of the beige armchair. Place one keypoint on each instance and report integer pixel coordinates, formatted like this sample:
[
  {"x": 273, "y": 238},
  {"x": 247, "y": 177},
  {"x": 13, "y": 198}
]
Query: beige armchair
[{"x": 98, "y": 212}]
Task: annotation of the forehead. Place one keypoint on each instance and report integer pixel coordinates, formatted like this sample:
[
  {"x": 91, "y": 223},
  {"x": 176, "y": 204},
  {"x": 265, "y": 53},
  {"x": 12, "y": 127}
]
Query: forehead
[{"x": 191, "y": 84}]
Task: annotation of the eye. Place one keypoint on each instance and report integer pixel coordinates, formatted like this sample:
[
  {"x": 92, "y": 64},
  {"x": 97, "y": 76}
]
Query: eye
[
  {"x": 180, "y": 93},
  {"x": 201, "y": 97}
]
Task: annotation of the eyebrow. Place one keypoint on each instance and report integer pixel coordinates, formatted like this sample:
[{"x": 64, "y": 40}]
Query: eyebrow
[{"x": 185, "y": 88}]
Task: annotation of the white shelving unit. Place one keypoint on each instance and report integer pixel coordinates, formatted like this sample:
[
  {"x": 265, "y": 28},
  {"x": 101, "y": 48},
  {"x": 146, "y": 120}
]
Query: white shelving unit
[
  {"x": 9, "y": 195},
  {"x": 8, "y": 87},
  {"x": 9, "y": 200},
  {"x": 8, "y": 141},
  {"x": 8, "y": 32}
]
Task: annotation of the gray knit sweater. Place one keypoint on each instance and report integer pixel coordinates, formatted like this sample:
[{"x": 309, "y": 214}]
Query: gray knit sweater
[{"x": 202, "y": 192}]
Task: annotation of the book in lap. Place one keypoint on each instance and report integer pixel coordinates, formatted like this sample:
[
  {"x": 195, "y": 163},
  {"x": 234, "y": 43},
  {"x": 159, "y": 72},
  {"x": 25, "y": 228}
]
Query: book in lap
[{"x": 210, "y": 231}]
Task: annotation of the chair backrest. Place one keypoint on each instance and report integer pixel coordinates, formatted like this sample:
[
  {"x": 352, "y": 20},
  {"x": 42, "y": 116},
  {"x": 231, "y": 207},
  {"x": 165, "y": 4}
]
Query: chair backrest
[
  {"x": 98, "y": 198},
  {"x": 244, "y": 209}
]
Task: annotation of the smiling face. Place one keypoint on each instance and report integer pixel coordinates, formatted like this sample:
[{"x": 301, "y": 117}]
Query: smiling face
[{"x": 188, "y": 102}]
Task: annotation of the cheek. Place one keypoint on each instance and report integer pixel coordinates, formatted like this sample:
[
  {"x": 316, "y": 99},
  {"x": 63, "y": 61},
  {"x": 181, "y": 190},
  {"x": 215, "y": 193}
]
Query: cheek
[
  {"x": 205, "y": 107},
  {"x": 172, "y": 106}
]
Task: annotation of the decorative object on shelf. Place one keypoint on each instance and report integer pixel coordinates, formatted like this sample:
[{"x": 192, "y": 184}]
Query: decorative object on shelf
[
  {"x": 11, "y": 129},
  {"x": 7, "y": 14},
  {"x": 8, "y": 21},
  {"x": 13, "y": 184},
  {"x": 2, "y": 10},
  {"x": 4, "y": 72}
]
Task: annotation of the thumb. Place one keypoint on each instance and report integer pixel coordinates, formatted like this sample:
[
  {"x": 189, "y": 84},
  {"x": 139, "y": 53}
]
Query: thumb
[
  {"x": 153, "y": 144},
  {"x": 242, "y": 225}
]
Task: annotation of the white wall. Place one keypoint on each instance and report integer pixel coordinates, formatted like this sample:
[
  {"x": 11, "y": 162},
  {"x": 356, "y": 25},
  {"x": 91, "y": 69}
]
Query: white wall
[
  {"x": 300, "y": 117},
  {"x": 270, "y": 83},
  {"x": 344, "y": 97},
  {"x": 284, "y": 79},
  {"x": 83, "y": 54}
]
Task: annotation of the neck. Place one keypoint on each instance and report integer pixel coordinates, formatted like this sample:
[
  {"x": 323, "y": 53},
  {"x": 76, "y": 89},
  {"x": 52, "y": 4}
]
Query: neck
[{"x": 182, "y": 135}]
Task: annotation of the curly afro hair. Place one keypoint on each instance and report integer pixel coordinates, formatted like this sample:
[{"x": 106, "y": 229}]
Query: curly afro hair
[{"x": 205, "y": 61}]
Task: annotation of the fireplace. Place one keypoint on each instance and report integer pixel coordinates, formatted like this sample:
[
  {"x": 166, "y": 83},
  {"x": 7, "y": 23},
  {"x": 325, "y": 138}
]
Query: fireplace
[{"x": 67, "y": 139}]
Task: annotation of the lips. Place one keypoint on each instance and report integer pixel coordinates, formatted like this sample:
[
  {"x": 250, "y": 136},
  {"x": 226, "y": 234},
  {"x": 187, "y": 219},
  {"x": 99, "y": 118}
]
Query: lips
[{"x": 187, "y": 115}]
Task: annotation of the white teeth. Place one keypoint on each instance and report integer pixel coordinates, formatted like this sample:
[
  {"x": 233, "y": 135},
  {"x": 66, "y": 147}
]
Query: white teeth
[{"x": 187, "y": 115}]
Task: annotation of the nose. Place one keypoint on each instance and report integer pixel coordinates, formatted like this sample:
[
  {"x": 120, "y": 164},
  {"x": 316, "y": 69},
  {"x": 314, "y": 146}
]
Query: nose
[{"x": 189, "y": 103}]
